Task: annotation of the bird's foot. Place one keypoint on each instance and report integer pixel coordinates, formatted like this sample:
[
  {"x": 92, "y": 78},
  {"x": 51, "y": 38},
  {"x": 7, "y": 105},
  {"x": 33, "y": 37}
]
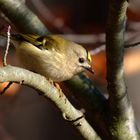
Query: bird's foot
[
  {"x": 57, "y": 86},
  {"x": 59, "y": 89}
]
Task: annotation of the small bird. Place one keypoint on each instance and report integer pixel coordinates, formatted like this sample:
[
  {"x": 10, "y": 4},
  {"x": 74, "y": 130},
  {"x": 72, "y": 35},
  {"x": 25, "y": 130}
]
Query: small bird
[{"x": 52, "y": 56}]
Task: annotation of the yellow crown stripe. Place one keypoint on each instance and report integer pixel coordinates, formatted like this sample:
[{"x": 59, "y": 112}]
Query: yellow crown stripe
[{"x": 88, "y": 56}]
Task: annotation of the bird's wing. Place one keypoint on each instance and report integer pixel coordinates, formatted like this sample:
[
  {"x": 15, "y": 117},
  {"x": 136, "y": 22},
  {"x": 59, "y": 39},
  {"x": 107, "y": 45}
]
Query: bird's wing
[
  {"x": 28, "y": 37},
  {"x": 48, "y": 42}
]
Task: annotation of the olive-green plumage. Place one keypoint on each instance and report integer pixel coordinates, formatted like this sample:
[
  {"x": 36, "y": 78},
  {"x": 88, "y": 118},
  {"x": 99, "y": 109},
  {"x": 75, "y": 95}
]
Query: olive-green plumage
[{"x": 52, "y": 56}]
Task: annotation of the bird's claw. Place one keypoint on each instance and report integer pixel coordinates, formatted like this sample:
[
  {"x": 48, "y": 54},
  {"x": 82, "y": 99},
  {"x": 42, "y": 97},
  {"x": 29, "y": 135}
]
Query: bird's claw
[{"x": 57, "y": 86}]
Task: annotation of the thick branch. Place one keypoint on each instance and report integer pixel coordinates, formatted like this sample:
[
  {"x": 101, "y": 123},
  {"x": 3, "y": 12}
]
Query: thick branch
[
  {"x": 38, "y": 82},
  {"x": 22, "y": 17},
  {"x": 122, "y": 124},
  {"x": 93, "y": 101}
]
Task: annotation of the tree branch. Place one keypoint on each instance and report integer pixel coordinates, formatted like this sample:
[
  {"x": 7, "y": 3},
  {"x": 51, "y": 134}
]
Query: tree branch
[
  {"x": 132, "y": 45},
  {"x": 122, "y": 122},
  {"x": 38, "y": 82},
  {"x": 7, "y": 47},
  {"x": 94, "y": 103},
  {"x": 24, "y": 20}
]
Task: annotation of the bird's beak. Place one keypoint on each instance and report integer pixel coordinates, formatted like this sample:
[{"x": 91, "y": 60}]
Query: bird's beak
[{"x": 89, "y": 68}]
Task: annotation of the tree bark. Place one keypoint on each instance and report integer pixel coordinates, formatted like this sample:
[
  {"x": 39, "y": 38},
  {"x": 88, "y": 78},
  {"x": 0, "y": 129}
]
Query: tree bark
[{"x": 122, "y": 123}]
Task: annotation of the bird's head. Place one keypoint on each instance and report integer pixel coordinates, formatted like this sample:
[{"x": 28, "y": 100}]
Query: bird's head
[{"x": 79, "y": 58}]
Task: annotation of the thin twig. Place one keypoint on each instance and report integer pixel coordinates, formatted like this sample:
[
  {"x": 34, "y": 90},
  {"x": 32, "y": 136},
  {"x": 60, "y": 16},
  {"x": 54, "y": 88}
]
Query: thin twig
[
  {"x": 5, "y": 58},
  {"x": 132, "y": 45},
  {"x": 102, "y": 48},
  {"x": 4, "y": 90},
  {"x": 7, "y": 47}
]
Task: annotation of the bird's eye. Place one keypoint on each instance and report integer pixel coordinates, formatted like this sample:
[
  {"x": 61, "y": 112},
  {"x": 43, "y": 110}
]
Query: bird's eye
[{"x": 81, "y": 60}]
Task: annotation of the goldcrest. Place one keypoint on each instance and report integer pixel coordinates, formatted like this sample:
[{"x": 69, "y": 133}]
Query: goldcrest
[{"x": 52, "y": 56}]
